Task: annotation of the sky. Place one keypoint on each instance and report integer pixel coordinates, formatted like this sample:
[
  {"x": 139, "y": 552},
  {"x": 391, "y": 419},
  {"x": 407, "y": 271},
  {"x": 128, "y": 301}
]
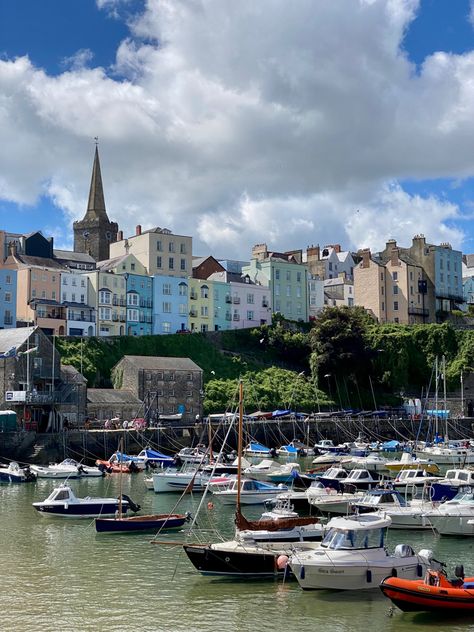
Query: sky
[{"x": 290, "y": 123}]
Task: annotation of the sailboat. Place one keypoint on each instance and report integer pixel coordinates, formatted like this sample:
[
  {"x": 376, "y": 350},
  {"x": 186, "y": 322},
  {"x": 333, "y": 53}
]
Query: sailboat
[
  {"x": 249, "y": 555},
  {"x": 133, "y": 524}
]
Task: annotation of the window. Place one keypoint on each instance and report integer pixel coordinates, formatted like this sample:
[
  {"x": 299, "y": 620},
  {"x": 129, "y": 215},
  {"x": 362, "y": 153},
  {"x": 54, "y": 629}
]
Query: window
[
  {"x": 381, "y": 276},
  {"x": 395, "y": 289},
  {"x": 183, "y": 264},
  {"x": 158, "y": 262},
  {"x": 204, "y": 291},
  {"x": 167, "y": 289},
  {"x": 45, "y": 277},
  {"x": 441, "y": 277},
  {"x": 411, "y": 275},
  {"x": 74, "y": 281},
  {"x": 277, "y": 305},
  {"x": 104, "y": 313},
  {"x": 8, "y": 317},
  {"x": 104, "y": 297},
  {"x": 132, "y": 266},
  {"x": 8, "y": 297},
  {"x": 288, "y": 290},
  {"x": 171, "y": 246},
  {"x": 33, "y": 293},
  {"x": 395, "y": 276},
  {"x": 183, "y": 289},
  {"x": 166, "y": 307},
  {"x": 73, "y": 297},
  {"x": 132, "y": 315},
  {"x": 298, "y": 291},
  {"x": 277, "y": 274},
  {"x": 182, "y": 249},
  {"x": 250, "y": 299},
  {"x": 411, "y": 289},
  {"x": 204, "y": 311},
  {"x": 43, "y": 293},
  {"x": 277, "y": 289},
  {"x": 288, "y": 275},
  {"x": 171, "y": 263},
  {"x": 166, "y": 329},
  {"x": 396, "y": 320},
  {"x": 329, "y": 265},
  {"x": 64, "y": 296},
  {"x": 159, "y": 246},
  {"x": 83, "y": 298},
  {"x": 8, "y": 279},
  {"x": 395, "y": 306},
  {"x": 41, "y": 312},
  {"x": 298, "y": 277},
  {"x": 83, "y": 283},
  {"x": 299, "y": 309},
  {"x": 132, "y": 299},
  {"x": 183, "y": 309},
  {"x": 288, "y": 307},
  {"x": 250, "y": 315},
  {"x": 383, "y": 306},
  {"x": 53, "y": 295},
  {"x": 382, "y": 290}
]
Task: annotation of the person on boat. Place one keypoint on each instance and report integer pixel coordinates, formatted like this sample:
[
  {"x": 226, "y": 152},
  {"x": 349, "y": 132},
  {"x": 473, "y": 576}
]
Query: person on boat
[{"x": 125, "y": 424}]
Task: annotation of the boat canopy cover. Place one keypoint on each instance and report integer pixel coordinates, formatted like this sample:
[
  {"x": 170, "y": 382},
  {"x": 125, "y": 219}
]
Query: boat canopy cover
[
  {"x": 258, "y": 447},
  {"x": 155, "y": 455},
  {"x": 390, "y": 445},
  {"x": 282, "y": 413}
]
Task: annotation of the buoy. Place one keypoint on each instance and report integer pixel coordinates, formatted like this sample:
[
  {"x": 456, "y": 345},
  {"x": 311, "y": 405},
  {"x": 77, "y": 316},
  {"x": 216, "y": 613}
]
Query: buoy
[
  {"x": 282, "y": 561},
  {"x": 210, "y": 505}
]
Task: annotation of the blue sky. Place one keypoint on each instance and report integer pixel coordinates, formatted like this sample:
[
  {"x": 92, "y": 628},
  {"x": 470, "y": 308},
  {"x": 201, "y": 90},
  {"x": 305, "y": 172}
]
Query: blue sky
[{"x": 176, "y": 153}]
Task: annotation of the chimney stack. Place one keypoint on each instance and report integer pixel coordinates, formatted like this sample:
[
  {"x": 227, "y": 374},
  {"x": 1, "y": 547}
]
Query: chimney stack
[
  {"x": 366, "y": 258},
  {"x": 120, "y": 235},
  {"x": 138, "y": 230},
  {"x": 394, "y": 257}
]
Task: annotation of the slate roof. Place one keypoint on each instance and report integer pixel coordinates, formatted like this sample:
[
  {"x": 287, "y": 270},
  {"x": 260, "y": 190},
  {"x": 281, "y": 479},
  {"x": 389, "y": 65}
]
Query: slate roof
[
  {"x": 70, "y": 255},
  {"x": 110, "y": 264},
  {"x": 161, "y": 363},
  {"x": 112, "y": 396},
  {"x": 14, "y": 337}
]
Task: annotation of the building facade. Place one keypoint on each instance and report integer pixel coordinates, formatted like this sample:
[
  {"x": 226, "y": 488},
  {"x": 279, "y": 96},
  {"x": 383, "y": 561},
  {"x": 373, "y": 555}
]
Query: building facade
[
  {"x": 170, "y": 304},
  {"x": 8, "y": 279},
  {"x": 108, "y": 295}
]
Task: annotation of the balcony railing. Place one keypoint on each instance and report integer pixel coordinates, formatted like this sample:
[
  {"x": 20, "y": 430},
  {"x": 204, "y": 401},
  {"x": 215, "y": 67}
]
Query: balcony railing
[
  {"x": 114, "y": 318},
  {"x": 193, "y": 295},
  {"x": 193, "y": 313},
  {"x": 418, "y": 311},
  {"x": 83, "y": 319},
  {"x": 264, "y": 303},
  {"x": 115, "y": 301},
  {"x": 123, "y": 319},
  {"x": 449, "y": 295},
  {"x": 236, "y": 317},
  {"x": 50, "y": 316},
  {"x": 228, "y": 299},
  {"x": 236, "y": 300}
]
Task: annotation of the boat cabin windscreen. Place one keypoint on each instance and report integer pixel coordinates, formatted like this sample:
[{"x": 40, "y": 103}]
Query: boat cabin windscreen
[{"x": 347, "y": 539}]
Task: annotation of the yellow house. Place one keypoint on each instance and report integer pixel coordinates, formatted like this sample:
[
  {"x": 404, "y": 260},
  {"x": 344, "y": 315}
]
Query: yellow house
[{"x": 109, "y": 296}]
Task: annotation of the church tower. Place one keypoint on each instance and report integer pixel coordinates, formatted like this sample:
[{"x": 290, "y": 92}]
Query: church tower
[{"x": 94, "y": 233}]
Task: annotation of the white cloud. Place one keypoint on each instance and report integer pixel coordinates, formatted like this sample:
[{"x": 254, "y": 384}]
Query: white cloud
[
  {"x": 80, "y": 60},
  {"x": 242, "y": 122}
]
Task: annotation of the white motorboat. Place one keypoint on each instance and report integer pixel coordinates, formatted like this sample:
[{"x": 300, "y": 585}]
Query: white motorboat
[
  {"x": 414, "y": 516},
  {"x": 455, "y": 456},
  {"x": 356, "y": 479},
  {"x": 269, "y": 470},
  {"x": 63, "y": 503},
  {"x": 173, "y": 481},
  {"x": 251, "y": 492},
  {"x": 258, "y": 450},
  {"x": 379, "y": 500},
  {"x": 198, "y": 455},
  {"x": 352, "y": 556},
  {"x": 372, "y": 461},
  {"x": 411, "y": 482},
  {"x": 69, "y": 468},
  {"x": 13, "y": 473},
  {"x": 334, "y": 502},
  {"x": 456, "y": 516},
  {"x": 329, "y": 458}
]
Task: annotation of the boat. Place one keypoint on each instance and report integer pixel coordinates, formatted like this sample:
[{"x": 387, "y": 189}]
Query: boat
[
  {"x": 174, "y": 481},
  {"x": 334, "y": 502},
  {"x": 372, "y": 461},
  {"x": 294, "y": 449},
  {"x": 446, "y": 488},
  {"x": 331, "y": 478},
  {"x": 357, "y": 479},
  {"x": 67, "y": 469},
  {"x": 258, "y": 450},
  {"x": 379, "y": 500},
  {"x": 196, "y": 456},
  {"x": 63, "y": 503},
  {"x": 412, "y": 481},
  {"x": 352, "y": 556},
  {"x": 269, "y": 470},
  {"x": 121, "y": 463},
  {"x": 455, "y": 516},
  {"x": 13, "y": 473},
  {"x": 154, "y": 458},
  {"x": 329, "y": 458},
  {"x": 409, "y": 461},
  {"x": 121, "y": 523},
  {"x": 257, "y": 549},
  {"x": 434, "y": 593},
  {"x": 251, "y": 492}
]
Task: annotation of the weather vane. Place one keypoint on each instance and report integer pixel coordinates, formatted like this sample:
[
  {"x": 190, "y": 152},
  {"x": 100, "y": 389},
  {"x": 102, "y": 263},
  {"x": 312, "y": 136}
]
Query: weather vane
[{"x": 96, "y": 140}]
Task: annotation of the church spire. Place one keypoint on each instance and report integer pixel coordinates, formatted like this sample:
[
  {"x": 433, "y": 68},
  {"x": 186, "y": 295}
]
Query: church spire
[{"x": 96, "y": 204}]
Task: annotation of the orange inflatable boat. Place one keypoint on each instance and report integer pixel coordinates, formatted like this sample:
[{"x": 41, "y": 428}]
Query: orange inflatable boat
[{"x": 434, "y": 592}]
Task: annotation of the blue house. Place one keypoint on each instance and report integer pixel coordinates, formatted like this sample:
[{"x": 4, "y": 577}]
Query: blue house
[
  {"x": 170, "y": 304},
  {"x": 139, "y": 290},
  {"x": 7, "y": 299}
]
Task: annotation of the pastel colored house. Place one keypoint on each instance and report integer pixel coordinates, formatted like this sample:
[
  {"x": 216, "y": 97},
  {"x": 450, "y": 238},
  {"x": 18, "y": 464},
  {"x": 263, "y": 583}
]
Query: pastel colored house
[
  {"x": 81, "y": 317},
  {"x": 170, "y": 304},
  {"x": 108, "y": 294},
  {"x": 7, "y": 299}
]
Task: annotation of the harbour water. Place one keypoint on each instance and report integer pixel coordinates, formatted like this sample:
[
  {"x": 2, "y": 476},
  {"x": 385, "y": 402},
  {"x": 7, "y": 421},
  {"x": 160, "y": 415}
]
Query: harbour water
[{"x": 60, "y": 575}]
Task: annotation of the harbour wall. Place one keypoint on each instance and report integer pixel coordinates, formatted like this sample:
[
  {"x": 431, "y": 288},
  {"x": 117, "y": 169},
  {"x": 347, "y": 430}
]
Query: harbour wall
[{"x": 88, "y": 445}]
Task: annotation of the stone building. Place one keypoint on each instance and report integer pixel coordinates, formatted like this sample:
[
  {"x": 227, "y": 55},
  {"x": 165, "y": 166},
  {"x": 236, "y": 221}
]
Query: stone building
[
  {"x": 95, "y": 232},
  {"x": 110, "y": 403},
  {"x": 35, "y": 385},
  {"x": 167, "y": 386}
]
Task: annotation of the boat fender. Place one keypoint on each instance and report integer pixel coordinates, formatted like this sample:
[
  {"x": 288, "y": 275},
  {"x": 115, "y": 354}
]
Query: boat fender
[
  {"x": 419, "y": 570},
  {"x": 282, "y": 561},
  {"x": 210, "y": 505},
  {"x": 368, "y": 576},
  {"x": 302, "y": 573},
  {"x": 394, "y": 572}
]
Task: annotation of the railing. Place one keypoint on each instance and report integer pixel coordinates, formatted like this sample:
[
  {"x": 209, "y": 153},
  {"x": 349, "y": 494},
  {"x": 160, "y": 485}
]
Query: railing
[
  {"x": 418, "y": 311},
  {"x": 228, "y": 299},
  {"x": 236, "y": 300},
  {"x": 448, "y": 295},
  {"x": 264, "y": 303},
  {"x": 236, "y": 317},
  {"x": 50, "y": 316},
  {"x": 123, "y": 319},
  {"x": 82, "y": 319},
  {"x": 115, "y": 302},
  {"x": 114, "y": 318},
  {"x": 193, "y": 313},
  {"x": 193, "y": 295}
]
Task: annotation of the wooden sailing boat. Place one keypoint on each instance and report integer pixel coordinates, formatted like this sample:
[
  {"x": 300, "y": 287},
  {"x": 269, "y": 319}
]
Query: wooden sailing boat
[
  {"x": 255, "y": 550},
  {"x": 133, "y": 524}
]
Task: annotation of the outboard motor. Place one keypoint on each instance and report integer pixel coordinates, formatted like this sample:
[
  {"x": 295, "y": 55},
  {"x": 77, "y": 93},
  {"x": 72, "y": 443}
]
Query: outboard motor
[
  {"x": 29, "y": 475},
  {"x": 427, "y": 557},
  {"x": 133, "y": 506},
  {"x": 133, "y": 468}
]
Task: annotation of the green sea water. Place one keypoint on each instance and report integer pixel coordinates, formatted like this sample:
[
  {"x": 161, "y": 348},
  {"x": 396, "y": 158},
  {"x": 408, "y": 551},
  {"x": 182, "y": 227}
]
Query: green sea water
[{"x": 59, "y": 575}]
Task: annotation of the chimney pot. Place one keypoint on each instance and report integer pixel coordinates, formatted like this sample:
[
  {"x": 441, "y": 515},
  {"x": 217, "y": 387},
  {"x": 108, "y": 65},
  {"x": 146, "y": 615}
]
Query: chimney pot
[
  {"x": 120, "y": 235},
  {"x": 138, "y": 230}
]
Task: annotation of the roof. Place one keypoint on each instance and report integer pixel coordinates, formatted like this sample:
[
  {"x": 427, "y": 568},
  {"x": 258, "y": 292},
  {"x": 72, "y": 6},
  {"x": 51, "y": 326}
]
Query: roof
[
  {"x": 161, "y": 363},
  {"x": 10, "y": 338},
  {"x": 111, "y": 396},
  {"x": 70, "y": 373},
  {"x": 337, "y": 281},
  {"x": 469, "y": 260},
  {"x": 38, "y": 262},
  {"x": 70, "y": 255},
  {"x": 109, "y": 264}
]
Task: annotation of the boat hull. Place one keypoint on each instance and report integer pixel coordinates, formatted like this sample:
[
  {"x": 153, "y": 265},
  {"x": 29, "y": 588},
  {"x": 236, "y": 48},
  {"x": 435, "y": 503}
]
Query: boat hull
[
  {"x": 233, "y": 563},
  {"x": 138, "y": 524},
  {"x": 419, "y": 597},
  {"x": 78, "y": 510}
]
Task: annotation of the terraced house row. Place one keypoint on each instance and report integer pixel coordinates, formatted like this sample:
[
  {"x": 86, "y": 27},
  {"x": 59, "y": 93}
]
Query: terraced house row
[{"x": 151, "y": 283}]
